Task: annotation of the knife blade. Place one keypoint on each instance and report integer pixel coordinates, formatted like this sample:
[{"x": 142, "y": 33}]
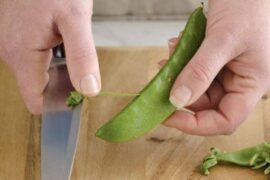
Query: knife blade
[{"x": 60, "y": 125}]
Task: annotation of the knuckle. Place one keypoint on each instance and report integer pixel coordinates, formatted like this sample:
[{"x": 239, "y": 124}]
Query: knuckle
[
  {"x": 200, "y": 72},
  {"x": 72, "y": 11},
  {"x": 226, "y": 41},
  {"x": 222, "y": 35},
  {"x": 82, "y": 54},
  {"x": 79, "y": 11}
]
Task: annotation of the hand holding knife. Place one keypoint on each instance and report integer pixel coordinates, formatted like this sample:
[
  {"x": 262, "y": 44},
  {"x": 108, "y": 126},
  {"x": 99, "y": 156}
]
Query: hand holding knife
[{"x": 60, "y": 124}]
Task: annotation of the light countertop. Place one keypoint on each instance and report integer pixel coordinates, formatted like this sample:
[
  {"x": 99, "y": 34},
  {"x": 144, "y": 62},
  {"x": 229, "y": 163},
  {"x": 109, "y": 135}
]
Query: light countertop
[{"x": 135, "y": 33}]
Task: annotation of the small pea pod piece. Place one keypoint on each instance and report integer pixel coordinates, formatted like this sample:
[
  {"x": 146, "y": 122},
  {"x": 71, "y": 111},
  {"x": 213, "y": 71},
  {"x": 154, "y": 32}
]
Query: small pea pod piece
[
  {"x": 152, "y": 106},
  {"x": 255, "y": 157},
  {"x": 74, "y": 99}
]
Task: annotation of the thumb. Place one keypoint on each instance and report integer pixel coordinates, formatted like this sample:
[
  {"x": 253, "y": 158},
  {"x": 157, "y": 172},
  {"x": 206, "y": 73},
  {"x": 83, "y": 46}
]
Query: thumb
[
  {"x": 199, "y": 73},
  {"x": 81, "y": 54}
]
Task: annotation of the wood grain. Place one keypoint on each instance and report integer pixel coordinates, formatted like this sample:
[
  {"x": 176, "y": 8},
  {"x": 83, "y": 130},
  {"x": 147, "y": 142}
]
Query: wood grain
[
  {"x": 19, "y": 133},
  {"x": 160, "y": 155}
]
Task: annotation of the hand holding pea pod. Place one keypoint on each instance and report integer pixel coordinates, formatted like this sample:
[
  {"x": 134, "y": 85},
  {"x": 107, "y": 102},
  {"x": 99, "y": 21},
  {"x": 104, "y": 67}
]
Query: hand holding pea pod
[
  {"x": 152, "y": 106},
  {"x": 224, "y": 79},
  {"x": 229, "y": 73}
]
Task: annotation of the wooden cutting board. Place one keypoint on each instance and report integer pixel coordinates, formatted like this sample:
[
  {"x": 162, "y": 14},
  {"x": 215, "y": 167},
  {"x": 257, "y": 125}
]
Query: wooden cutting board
[{"x": 163, "y": 154}]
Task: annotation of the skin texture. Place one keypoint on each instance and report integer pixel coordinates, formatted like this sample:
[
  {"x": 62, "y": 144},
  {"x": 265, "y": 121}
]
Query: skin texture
[
  {"x": 29, "y": 29},
  {"x": 229, "y": 73},
  {"x": 152, "y": 106}
]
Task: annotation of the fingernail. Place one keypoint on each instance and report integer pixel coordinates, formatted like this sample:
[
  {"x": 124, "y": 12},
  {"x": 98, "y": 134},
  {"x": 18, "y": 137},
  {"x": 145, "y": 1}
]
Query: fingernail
[
  {"x": 89, "y": 85},
  {"x": 180, "y": 97}
]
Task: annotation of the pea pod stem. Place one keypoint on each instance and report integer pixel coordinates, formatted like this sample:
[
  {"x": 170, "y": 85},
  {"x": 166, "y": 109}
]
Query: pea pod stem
[
  {"x": 120, "y": 94},
  {"x": 76, "y": 98},
  {"x": 124, "y": 94}
]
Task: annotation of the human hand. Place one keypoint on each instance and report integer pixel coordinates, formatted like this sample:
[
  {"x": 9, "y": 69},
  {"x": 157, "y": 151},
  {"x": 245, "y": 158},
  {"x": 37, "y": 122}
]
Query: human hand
[
  {"x": 30, "y": 29},
  {"x": 230, "y": 72}
]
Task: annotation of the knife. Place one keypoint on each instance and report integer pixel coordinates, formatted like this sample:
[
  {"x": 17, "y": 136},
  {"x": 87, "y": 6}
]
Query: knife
[{"x": 60, "y": 125}]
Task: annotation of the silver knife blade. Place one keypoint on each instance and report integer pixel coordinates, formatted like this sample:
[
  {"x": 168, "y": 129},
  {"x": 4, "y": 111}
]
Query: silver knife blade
[{"x": 60, "y": 126}]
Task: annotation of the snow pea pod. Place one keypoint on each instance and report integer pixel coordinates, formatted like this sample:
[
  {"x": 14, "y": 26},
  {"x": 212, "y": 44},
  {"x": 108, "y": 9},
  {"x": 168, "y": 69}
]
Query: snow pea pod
[
  {"x": 152, "y": 106},
  {"x": 255, "y": 157}
]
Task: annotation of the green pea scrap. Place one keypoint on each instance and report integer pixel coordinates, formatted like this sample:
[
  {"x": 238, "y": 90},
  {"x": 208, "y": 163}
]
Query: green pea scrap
[
  {"x": 152, "y": 106},
  {"x": 74, "y": 99},
  {"x": 255, "y": 157}
]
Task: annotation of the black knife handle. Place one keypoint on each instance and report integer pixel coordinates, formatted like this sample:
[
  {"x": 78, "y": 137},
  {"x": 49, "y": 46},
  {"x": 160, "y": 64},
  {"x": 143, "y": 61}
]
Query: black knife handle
[{"x": 59, "y": 51}]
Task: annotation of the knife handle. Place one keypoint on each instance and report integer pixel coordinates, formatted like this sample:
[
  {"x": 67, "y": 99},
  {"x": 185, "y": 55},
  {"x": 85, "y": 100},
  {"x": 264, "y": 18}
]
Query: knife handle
[
  {"x": 59, "y": 56},
  {"x": 59, "y": 51}
]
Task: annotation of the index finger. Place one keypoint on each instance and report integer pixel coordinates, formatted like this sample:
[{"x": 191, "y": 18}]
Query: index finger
[{"x": 82, "y": 60}]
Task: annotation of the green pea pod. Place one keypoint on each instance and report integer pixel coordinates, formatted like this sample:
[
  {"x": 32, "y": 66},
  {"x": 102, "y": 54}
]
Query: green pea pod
[
  {"x": 152, "y": 106},
  {"x": 255, "y": 157}
]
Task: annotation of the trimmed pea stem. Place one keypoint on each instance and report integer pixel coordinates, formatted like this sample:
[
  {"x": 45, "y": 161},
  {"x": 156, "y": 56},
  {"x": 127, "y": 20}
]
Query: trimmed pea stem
[
  {"x": 124, "y": 94},
  {"x": 108, "y": 93}
]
